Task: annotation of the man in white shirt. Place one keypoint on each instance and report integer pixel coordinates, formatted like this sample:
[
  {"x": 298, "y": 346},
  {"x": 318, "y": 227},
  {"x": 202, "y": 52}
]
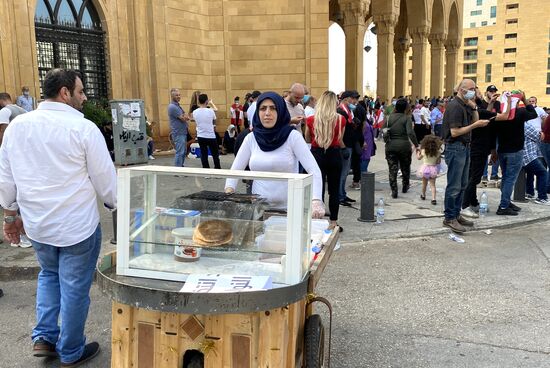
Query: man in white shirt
[
  {"x": 425, "y": 116},
  {"x": 294, "y": 105},
  {"x": 252, "y": 108},
  {"x": 537, "y": 123},
  {"x": 54, "y": 164},
  {"x": 206, "y": 135}
]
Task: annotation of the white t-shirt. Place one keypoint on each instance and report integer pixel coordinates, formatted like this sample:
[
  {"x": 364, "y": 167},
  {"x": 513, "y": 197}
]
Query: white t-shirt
[
  {"x": 416, "y": 116},
  {"x": 537, "y": 122},
  {"x": 251, "y": 111},
  {"x": 283, "y": 159},
  {"x": 425, "y": 112},
  {"x": 54, "y": 165},
  {"x": 205, "y": 122}
]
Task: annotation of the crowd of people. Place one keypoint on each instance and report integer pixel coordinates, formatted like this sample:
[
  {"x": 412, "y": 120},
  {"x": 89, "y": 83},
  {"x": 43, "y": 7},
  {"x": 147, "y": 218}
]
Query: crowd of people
[{"x": 464, "y": 135}]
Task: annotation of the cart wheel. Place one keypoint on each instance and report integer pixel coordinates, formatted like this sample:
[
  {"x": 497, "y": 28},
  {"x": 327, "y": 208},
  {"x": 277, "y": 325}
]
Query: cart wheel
[{"x": 314, "y": 335}]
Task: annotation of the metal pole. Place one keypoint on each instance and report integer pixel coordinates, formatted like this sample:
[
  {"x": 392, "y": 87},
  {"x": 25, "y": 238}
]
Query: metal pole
[
  {"x": 113, "y": 239},
  {"x": 519, "y": 187},
  {"x": 367, "y": 197}
]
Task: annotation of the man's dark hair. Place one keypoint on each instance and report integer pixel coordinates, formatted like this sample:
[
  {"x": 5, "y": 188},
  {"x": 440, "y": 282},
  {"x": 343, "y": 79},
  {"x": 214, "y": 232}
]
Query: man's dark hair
[
  {"x": 203, "y": 98},
  {"x": 58, "y": 78},
  {"x": 401, "y": 105},
  {"x": 421, "y": 101},
  {"x": 4, "y": 96}
]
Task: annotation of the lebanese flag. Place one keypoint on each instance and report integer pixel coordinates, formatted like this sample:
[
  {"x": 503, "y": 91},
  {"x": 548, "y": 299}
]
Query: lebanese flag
[{"x": 515, "y": 103}]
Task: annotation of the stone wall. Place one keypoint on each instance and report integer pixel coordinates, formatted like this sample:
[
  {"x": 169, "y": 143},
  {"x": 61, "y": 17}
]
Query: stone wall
[{"x": 221, "y": 47}]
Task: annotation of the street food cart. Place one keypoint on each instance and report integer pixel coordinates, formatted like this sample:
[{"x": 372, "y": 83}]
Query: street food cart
[{"x": 202, "y": 278}]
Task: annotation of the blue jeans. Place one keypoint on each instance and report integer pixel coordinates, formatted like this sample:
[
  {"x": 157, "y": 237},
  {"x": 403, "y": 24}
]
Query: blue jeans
[
  {"x": 545, "y": 149},
  {"x": 536, "y": 168},
  {"x": 63, "y": 290},
  {"x": 511, "y": 164},
  {"x": 457, "y": 158},
  {"x": 364, "y": 165},
  {"x": 346, "y": 166},
  {"x": 180, "y": 143},
  {"x": 437, "y": 130}
]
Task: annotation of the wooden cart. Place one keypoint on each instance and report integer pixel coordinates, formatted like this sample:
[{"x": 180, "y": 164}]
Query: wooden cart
[{"x": 156, "y": 326}]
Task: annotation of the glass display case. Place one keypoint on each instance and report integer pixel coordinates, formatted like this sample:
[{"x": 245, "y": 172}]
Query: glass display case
[{"x": 173, "y": 222}]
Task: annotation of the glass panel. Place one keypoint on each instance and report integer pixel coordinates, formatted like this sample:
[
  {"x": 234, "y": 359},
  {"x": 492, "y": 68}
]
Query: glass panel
[
  {"x": 42, "y": 15},
  {"x": 183, "y": 224},
  {"x": 65, "y": 15}
]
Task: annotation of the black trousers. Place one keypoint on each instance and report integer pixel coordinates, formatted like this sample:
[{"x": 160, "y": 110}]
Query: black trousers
[
  {"x": 478, "y": 160},
  {"x": 395, "y": 161},
  {"x": 356, "y": 166},
  {"x": 212, "y": 143},
  {"x": 330, "y": 164}
]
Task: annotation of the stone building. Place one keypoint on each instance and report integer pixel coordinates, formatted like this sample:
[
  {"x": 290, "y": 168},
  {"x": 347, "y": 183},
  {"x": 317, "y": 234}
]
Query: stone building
[
  {"x": 142, "y": 48},
  {"x": 514, "y": 53}
]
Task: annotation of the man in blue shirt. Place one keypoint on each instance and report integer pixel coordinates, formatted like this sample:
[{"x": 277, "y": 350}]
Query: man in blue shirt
[
  {"x": 26, "y": 101},
  {"x": 179, "y": 126}
]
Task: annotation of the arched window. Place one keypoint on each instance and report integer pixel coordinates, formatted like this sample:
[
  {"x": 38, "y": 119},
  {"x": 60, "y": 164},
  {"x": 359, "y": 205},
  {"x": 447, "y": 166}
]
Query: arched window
[{"x": 69, "y": 35}]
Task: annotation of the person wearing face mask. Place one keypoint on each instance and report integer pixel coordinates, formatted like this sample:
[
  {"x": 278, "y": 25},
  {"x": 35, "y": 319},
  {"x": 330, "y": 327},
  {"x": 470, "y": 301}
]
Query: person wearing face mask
[
  {"x": 25, "y": 101},
  {"x": 459, "y": 120},
  {"x": 348, "y": 104}
]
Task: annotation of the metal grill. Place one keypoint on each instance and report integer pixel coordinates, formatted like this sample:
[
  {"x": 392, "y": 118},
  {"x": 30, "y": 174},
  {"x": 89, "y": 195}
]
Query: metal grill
[{"x": 64, "y": 41}]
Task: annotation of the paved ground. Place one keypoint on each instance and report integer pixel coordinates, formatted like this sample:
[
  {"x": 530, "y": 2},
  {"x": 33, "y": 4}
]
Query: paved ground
[{"x": 404, "y": 295}]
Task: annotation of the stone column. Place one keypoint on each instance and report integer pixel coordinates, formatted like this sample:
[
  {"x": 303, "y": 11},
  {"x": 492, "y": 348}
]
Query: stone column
[
  {"x": 451, "y": 73},
  {"x": 401, "y": 72},
  {"x": 420, "y": 60},
  {"x": 438, "y": 64},
  {"x": 354, "y": 28},
  {"x": 385, "y": 24}
]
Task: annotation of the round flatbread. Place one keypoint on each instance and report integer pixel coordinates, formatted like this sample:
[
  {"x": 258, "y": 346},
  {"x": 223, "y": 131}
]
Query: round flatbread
[{"x": 213, "y": 233}]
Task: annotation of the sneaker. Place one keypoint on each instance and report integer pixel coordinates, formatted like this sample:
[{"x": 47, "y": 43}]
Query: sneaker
[
  {"x": 514, "y": 207},
  {"x": 345, "y": 204},
  {"x": 42, "y": 348},
  {"x": 90, "y": 351},
  {"x": 24, "y": 242},
  {"x": 495, "y": 177},
  {"x": 151, "y": 157},
  {"x": 464, "y": 222},
  {"x": 484, "y": 178},
  {"x": 348, "y": 199},
  {"x": 469, "y": 212},
  {"x": 529, "y": 196},
  {"x": 506, "y": 212},
  {"x": 355, "y": 186},
  {"x": 544, "y": 202},
  {"x": 454, "y": 225}
]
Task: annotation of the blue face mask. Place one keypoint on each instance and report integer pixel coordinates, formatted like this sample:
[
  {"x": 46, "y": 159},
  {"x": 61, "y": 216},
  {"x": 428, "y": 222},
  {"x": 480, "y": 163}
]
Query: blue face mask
[
  {"x": 352, "y": 107},
  {"x": 470, "y": 95}
]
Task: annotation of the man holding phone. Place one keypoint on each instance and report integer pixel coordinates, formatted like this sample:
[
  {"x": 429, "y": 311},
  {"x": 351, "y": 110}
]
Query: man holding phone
[
  {"x": 460, "y": 119},
  {"x": 482, "y": 145}
]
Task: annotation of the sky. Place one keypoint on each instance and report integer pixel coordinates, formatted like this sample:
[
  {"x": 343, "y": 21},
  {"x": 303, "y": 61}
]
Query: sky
[{"x": 337, "y": 60}]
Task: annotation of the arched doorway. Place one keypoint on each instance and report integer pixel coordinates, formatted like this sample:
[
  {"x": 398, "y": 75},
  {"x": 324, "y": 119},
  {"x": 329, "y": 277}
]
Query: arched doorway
[{"x": 69, "y": 35}]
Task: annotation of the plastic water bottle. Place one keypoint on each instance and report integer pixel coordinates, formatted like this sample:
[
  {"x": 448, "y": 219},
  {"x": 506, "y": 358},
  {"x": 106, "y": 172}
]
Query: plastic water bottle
[
  {"x": 483, "y": 205},
  {"x": 380, "y": 211}
]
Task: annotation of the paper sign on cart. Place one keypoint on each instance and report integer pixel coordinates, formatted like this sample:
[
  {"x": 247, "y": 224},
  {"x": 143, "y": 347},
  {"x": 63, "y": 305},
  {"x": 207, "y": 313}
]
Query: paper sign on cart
[{"x": 217, "y": 283}]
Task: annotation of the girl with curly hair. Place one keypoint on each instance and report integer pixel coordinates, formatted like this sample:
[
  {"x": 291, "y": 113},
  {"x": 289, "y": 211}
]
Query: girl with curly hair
[{"x": 430, "y": 154}]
